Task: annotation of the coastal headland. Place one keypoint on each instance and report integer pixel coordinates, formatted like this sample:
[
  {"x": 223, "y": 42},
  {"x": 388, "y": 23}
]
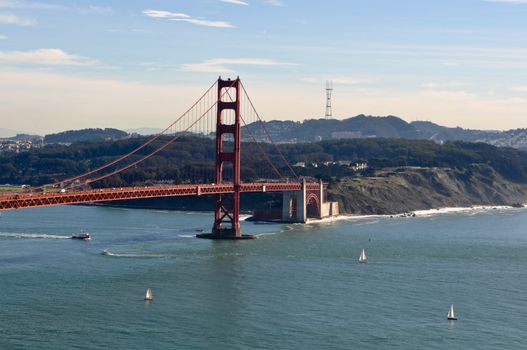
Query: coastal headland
[{"x": 400, "y": 190}]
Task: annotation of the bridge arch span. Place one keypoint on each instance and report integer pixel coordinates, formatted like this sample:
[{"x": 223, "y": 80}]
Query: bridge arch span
[{"x": 313, "y": 206}]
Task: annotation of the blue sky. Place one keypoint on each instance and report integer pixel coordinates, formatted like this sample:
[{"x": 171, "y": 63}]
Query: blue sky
[{"x": 127, "y": 64}]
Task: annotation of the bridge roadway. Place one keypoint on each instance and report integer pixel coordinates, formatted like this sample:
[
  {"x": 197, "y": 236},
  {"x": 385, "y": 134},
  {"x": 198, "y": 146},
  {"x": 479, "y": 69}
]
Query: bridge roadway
[{"x": 39, "y": 199}]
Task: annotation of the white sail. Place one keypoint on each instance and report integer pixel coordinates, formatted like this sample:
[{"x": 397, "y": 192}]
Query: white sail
[
  {"x": 149, "y": 294},
  {"x": 362, "y": 257},
  {"x": 451, "y": 313}
]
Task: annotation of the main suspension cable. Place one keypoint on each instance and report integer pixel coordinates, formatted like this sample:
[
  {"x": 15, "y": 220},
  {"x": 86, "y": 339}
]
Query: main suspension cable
[
  {"x": 155, "y": 137},
  {"x": 268, "y": 134}
]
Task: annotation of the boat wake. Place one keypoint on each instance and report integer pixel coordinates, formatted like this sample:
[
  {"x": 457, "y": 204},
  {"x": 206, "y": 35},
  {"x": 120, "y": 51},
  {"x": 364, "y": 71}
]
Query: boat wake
[
  {"x": 106, "y": 252},
  {"x": 272, "y": 233},
  {"x": 32, "y": 235}
]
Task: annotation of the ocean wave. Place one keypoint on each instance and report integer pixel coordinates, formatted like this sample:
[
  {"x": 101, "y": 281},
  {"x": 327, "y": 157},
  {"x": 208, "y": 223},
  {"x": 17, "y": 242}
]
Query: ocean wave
[
  {"x": 462, "y": 210},
  {"x": 334, "y": 219},
  {"x": 418, "y": 213}
]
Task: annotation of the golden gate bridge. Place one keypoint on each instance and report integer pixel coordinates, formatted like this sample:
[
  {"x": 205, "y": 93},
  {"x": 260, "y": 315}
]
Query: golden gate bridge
[{"x": 219, "y": 114}]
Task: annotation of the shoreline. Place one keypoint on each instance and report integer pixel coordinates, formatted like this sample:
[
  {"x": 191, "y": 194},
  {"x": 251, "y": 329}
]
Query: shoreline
[
  {"x": 246, "y": 216},
  {"x": 418, "y": 213}
]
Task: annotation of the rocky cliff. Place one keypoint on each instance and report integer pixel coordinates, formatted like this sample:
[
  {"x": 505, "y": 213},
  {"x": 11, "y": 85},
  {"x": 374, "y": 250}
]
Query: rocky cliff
[{"x": 402, "y": 190}]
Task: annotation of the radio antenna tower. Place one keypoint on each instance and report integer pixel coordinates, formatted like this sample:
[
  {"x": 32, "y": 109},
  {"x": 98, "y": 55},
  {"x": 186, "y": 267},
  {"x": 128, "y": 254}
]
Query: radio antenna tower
[{"x": 329, "y": 90}]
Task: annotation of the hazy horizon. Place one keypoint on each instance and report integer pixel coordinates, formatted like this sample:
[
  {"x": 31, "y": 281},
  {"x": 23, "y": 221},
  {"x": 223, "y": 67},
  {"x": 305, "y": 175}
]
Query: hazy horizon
[{"x": 129, "y": 65}]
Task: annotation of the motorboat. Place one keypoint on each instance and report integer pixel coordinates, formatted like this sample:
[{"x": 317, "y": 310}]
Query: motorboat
[{"x": 82, "y": 236}]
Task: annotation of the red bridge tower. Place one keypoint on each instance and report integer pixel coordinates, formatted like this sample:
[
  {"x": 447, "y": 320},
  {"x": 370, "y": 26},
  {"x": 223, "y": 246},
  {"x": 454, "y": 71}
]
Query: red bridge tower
[{"x": 227, "y": 211}]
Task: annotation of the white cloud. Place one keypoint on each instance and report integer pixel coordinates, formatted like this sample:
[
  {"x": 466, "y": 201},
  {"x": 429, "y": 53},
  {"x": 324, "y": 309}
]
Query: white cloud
[
  {"x": 164, "y": 14},
  {"x": 220, "y": 65},
  {"x": 13, "y": 19},
  {"x": 44, "y": 57},
  {"x": 519, "y": 88},
  {"x": 204, "y": 22},
  {"x": 235, "y": 2},
  {"x": 183, "y": 17},
  {"x": 3, "y": 37}
]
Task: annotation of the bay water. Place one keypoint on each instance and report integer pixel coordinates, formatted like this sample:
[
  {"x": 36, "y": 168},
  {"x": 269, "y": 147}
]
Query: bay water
[{"x": 296, "y": 287}]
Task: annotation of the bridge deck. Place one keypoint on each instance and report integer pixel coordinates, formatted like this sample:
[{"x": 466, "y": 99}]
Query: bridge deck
[{"x": 29, "y": 200}]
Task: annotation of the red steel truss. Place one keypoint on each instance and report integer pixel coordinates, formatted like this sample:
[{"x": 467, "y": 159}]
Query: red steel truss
[{"x": 29, "y": 200}]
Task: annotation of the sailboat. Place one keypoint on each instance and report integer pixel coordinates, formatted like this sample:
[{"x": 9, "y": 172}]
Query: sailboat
[
  {"x": 149, "y": 295},
  {"x": 451, "y": 313},
  {"x": 362, "y": 257}
]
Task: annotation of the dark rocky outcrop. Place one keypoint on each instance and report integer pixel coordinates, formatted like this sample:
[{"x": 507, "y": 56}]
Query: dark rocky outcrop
[{"x": 407, "y": 189}]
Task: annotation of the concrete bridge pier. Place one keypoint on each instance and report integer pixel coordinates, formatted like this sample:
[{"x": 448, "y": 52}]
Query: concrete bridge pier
[
  {"x": 294, "y": 205},
  {"x": 298, "y": 206}
]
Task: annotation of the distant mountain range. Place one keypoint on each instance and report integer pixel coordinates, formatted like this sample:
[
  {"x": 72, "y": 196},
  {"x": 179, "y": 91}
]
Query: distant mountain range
[
  {"x": 313, "y": 130},
  {"x": 22, "y": 137},
  {"x": 85, "y": 135},
  {"x": 388, "y": 127}
]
